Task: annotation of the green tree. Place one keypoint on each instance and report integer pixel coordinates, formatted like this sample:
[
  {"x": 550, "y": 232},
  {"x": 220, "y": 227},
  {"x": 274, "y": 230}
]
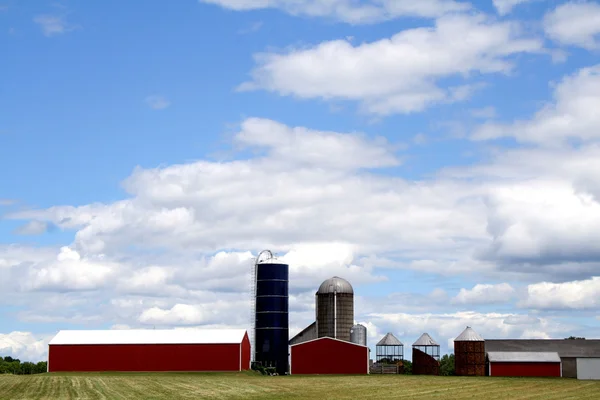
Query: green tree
[
  {"x": 407, "y": 367},
  {"x": 447, "y": 365},
  {"x": 574, "y": 338}
]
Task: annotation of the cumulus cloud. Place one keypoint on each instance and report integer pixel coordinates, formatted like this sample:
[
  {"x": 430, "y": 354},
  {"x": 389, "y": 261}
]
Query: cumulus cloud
[
  {"x": 572, "y": 114},
  {"x": 405, "y": 79},
  {"x": 445, "y": 327},
  {"x": 577, "y": 295},
  {"x": 485, "y": 294},
  {"x": 70, "y": 272},
  {"x": 574, "y": 24},
  {"x": 350, "y": 11},
  {"x": 485, "y": 112},
  {"x": 504, "y": 7},
  {"x": 25, "y": 346},
  {"x": 157, "y": 102}
]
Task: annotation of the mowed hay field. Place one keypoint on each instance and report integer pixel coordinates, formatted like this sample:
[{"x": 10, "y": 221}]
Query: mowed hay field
[{"x": 252, "y": 386}]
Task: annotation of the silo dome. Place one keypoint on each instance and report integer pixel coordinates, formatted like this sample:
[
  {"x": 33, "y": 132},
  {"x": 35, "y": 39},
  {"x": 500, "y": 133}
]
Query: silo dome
[{"x": 335, "y": 284}]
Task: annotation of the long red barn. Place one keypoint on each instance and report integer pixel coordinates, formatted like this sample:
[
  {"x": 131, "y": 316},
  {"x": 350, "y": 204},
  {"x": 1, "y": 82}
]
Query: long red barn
[
  {"x": 520, "y": 364},
  {"x": 329, "y": 356},
  {"x": 150, "y": 350}
]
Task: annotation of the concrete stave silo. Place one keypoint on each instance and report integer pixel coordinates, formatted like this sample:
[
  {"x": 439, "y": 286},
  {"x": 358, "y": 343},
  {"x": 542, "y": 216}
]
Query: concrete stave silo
[
  {"x": 271, "y": 319},
  {"x": 335, "y": 309},
  {"x": 469, "y": 354}
]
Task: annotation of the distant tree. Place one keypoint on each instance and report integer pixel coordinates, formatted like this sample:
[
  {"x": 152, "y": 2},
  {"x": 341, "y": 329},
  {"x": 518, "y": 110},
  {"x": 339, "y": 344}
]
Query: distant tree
[
  {"x": 407, "y": 367},
  {"x": 447, "y": 365},
  {"x": 9, "y": 365},
  {"x": 41, "y": 367},
  {"x": 574, "y": 338}
]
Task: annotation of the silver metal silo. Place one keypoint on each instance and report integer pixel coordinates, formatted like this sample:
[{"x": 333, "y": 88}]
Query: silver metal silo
[{"x": 358, "y": 334}]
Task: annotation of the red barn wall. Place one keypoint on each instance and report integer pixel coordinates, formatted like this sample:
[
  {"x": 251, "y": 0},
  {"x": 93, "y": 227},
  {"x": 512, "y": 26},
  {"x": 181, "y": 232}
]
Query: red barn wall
[
  {"x": 245, "y": 353},
  {"x": 329, "y": 356},
  {"x": 540, "y": 369},
  {"x": 146, "y": 357}
]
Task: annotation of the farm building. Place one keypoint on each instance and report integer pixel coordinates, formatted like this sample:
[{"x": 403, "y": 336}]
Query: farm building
[
  {"x": 426, "y": 356},
  {"x": 572, "y": 352},
  {"x": 469, "y": 350},
  {"x": 329, "y": 356},
  {"x": 518, "y": 364},
  {"x": 150, "y": 350}
]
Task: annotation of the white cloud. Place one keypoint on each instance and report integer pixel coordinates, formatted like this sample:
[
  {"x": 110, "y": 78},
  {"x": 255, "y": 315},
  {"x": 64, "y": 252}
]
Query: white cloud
[
  {"x": 485, "y": 294},
  {"x": 157, "y": 102},
  {"x": 254, "y": 27},
  {"x": 445, "y": 327},
  {"x": 70, "y": 272},
  {"x": 32, "y": 228},
  {"x": 350, "y": 11},
  {"x": 575, "y": 295},
  {"x": 53, "y": 25},
  {"x": 399, "y": 74},
  {"x": 504, "y": 7},
  {"x": 25, "y": 346},
  {"x": 575, "y": 24},
  {"x": 7, "y": 202},
  {"x": 572, "y": 115}
]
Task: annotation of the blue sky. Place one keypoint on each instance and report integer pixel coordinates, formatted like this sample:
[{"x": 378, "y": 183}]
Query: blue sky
[{"x": 424, "y": 153}]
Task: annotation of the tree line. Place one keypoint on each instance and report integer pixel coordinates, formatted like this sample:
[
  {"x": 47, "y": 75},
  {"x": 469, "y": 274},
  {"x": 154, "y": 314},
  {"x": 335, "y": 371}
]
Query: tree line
[{"x": 9, "y": 365}]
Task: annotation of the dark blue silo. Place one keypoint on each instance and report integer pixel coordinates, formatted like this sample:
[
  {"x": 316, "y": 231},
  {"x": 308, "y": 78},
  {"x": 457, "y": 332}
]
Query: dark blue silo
[{"x": 271, "y": 334}]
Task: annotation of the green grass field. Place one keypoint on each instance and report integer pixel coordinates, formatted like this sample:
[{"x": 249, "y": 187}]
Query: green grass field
[{"x": 252, "y": 386}]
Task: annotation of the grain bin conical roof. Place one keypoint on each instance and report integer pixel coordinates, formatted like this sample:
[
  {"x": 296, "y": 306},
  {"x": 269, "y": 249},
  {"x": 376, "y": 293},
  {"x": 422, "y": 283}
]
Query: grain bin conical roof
[
  {"x": 425, "y": 340},
  {"x": 389, "y": 340},
  {"x": 469, "y": 335}
]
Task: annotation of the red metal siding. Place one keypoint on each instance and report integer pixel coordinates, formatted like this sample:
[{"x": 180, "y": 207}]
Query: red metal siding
[
  {"x": 246, "y": 353},
  {"x": 525, "y": 369},
  {"x": 145, "y": 357},
  {"x": 329, "y": 356}
]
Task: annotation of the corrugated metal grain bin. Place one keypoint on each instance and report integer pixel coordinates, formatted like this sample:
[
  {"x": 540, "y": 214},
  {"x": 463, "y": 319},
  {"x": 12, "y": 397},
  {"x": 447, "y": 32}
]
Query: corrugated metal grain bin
[{"x": 426, "y": 356}]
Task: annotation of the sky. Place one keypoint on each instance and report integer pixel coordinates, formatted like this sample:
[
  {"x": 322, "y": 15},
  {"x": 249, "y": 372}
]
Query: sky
[{"x": 442, "y": 156}]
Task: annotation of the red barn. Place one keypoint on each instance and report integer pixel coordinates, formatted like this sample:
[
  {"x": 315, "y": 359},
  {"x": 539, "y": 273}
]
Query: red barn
[
  {"x": 150, "y": 350},
  {"x": 329, "y": 356},
  {"x": 538, "y": 364}
]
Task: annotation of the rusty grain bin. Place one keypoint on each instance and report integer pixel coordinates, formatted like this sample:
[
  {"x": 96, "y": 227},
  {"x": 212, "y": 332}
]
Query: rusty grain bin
[{"x": 469, "y": 354}]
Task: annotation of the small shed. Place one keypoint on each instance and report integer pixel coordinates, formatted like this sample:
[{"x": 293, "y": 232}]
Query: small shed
[
  {"x": 426, "y": 356},
  {"x": 327, "y": 355},
  {"x": 588, "y": 368},
  {"x": 389, "y": 350},
  {"x": 520, "y": 364},
  {"x": 149, "y": 350}
]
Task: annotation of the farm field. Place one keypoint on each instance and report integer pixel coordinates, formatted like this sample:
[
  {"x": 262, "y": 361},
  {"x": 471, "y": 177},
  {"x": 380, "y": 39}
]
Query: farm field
[{"x": 252, "y": 386}]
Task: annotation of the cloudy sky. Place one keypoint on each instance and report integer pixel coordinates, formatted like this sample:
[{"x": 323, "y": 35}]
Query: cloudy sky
[{"x": 441, "y": 155}]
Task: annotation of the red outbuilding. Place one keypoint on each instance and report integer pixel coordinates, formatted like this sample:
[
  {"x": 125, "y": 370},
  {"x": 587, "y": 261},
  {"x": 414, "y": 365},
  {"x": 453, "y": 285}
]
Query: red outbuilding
[
  {"x": 150, "y": 350},
  {"x": 329, "y": 356},
  {"x": 518, "y": 364}
]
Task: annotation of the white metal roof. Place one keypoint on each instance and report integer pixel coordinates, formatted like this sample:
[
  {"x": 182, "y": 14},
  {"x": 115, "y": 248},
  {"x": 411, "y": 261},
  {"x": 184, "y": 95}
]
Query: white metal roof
[
  {"x": 522, "y": 356},
  {"x": 150, "y": 336},
  {"x": 425, "y": 340},
  {"x": 469, "y": 335}
]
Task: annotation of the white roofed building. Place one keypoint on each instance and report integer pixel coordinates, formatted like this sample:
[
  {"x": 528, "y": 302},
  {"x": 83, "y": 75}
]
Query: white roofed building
[{"x": 149, "y": 350}]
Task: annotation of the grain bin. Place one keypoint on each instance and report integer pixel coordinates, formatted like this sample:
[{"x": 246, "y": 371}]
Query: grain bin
[
  {"x": 469, "y": 354},
  {"x": 358, "y": 334},
  {"x": 426, "y": 356},
  {"x": 335, "y": 309}
]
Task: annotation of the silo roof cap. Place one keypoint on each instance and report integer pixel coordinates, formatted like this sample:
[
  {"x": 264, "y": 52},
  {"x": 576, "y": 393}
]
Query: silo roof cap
[
  {"x": 425, "y": 340},
  {"x": 469, "y": 335},
  {"x": 335, "y": 284},
  {"x": 389, "y": 340}
]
